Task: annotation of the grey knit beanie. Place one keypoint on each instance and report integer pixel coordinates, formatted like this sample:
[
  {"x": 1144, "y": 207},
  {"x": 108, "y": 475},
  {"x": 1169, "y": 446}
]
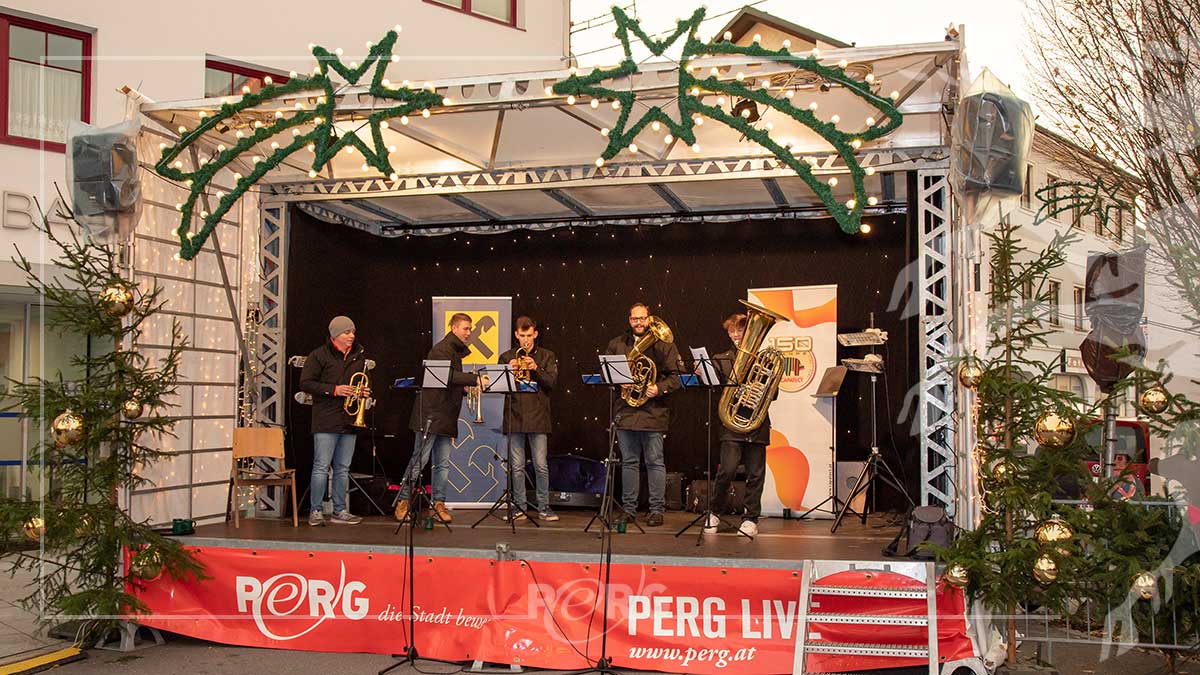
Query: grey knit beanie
[{"x": 339, "y": 325}]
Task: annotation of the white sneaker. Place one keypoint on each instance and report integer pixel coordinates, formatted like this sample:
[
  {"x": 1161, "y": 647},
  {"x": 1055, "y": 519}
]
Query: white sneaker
[
  {"x": 749, "y": 528},
  {"x": 712, "y": 523}
]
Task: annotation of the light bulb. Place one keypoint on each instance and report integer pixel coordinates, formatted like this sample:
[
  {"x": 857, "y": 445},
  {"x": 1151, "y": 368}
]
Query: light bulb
[
  {"x": 740, "y": 76},
  {"x": 833, "y": 181},
  {"x": 787, "y": 44},
  {"x": 872, "y": 201},
  {"x": 633, "y": 148},
  {"x": 843, "y": 63},
  {"x": 870, "y": 121},
  {"x": 870, "y": 171},
  {"x": 728, "y": 36},
  {"x": 594, "y": 103},
  {"x": 757, "y": 38},
  {"x": 655, "y": 125},
  {"x": 720, "y": 101},
  {"x": 816, "y": 53},
  {"x": 789, "y": 94},
  {"x": 549, "y": 91},
  {"x": 396, "y": 28},
  {"x": 391, "y": 148},
  {"x": 698, "y": 120},
  {"x": 668, "y": 138},
  {"x": 274, "y": 145},
  {"x": 865, "y": 228},
  {"x": 770, "y": 126},
  {"x": 813, "y": 106},
  {"x": 404, "y": 120},
  {"x": 604, "y": 131},
  {"x": 850, "y": 204},
  {"x": 393, "y": 176},
  {"x": 599, "y": 161},
  {"x": 425, "y": 113},
  {"x": 895, "y": 96},
  {"x": 870, "y": 78},
  {"x": 695, "y": 147},
  {"x": 571, "y": 100},
  {"x": 267, "y": 80},
  {"x": 383, "y": 124},
  {"x": 338, "y": 51},
  {"x": 835, "y": 119},
  {"x": 714, "y": 71},
  {"x": 616, "y": 105},
  {"x": 856, "y": 143}
]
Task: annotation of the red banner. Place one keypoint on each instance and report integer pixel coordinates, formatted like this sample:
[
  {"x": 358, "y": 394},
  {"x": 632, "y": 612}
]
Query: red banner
[{"x": 540, "y": 614}]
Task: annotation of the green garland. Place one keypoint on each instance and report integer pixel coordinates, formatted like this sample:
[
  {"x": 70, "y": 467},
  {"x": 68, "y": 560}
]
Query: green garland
[
  {"x": 323, "y": 138},
  {"x": 1097, "y": 197},
  {"x": 848, "y": 215}
]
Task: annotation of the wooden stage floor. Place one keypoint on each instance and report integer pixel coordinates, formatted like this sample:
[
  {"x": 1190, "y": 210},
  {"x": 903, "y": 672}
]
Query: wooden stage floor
[{"x": 780, "y": 543}]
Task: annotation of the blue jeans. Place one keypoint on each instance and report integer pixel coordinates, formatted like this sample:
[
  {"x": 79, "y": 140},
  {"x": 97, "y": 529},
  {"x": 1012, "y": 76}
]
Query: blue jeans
[
  {"x": 634, "y": 445},
  {"x": 516, "y": 481},
  {"x": 439, "y": 447},
  {"x": 338, "y": 450}
]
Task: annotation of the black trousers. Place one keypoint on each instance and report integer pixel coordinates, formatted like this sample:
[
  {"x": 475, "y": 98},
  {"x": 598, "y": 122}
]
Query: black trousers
[{"x": 754, "y": 456}]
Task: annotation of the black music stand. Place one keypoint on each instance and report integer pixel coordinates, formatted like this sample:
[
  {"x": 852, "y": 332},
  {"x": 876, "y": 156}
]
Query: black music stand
[
  {"x": 831, "y": 384},
  {"x": 708, "y": 378},
  {"x": 502, "y": 381},
  {"x": 434, "y": 377},
  {"x": 614, "y": 373}
]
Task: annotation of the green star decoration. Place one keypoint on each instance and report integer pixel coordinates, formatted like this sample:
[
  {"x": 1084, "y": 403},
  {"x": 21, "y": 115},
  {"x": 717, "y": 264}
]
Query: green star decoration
[
  {"x": 323, "y": 139},
  {"x": 1097, "y": 197},
  {"x": 848, "y": 214}
]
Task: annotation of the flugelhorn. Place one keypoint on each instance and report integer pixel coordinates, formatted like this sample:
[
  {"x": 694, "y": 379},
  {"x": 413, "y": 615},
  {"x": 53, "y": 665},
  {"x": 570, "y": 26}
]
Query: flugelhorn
[
  {"x": 355, "y": 404},
  {"x": 642, "y": 367},
  {"x": 475, "y": 397},
  {"x": 755, "y": 372}
]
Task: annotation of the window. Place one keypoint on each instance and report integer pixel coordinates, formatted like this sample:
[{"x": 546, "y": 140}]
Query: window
[
  {"x": 503, "y": 11},
  {"x": 47, "y": 74},
  {"x": 1068, "y": 382},
  {"x": 1118, "y": 224},
  {"x": 1027, "y": 190},
  {"x": 1077, "y": 210},
  {"x": 1054, "y": 315},
  {"x": 1026, "y": 291},
  {"x": 1051, "y": 198},
  {"x": 227, "y": 79},
  {"x": 1101, "y": 216},
  {"x": 1078, "y": 308}
]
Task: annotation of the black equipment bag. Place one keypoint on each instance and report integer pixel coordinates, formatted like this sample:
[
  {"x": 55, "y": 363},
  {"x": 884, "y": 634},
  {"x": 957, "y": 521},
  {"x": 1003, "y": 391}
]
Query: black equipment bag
[{"x": 924, "y": 523}]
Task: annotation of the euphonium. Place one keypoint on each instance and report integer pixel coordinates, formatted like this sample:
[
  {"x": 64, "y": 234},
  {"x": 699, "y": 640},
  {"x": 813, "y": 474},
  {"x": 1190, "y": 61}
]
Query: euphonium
[
  {"x": 756, "y": 373},
  {"x": 355, "y": 404},
  {"x": 642, "y": 367}
]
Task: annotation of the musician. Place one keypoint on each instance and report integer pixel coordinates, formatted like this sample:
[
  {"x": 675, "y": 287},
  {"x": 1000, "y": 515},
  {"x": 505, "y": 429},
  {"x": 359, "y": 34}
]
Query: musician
[
  {"x": 435, "y": 419},
  {"x": 527, "y": 420},
  {"x": 641, "y": 430},
  {"x": 326, "y": 374},
  {"x": 749, "y": 449}
]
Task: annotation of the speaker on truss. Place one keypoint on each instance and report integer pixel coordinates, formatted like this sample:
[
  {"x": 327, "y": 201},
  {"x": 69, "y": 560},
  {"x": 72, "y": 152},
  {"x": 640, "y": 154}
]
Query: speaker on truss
[
  {"x": 106, "y": 191},
  {"x": 993, "y": 139}
]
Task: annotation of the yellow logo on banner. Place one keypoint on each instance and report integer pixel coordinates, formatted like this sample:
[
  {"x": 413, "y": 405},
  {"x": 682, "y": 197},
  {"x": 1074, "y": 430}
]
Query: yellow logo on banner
[
  {"x": 485, "y": 334},
  {"x": 799, "y": 364}
]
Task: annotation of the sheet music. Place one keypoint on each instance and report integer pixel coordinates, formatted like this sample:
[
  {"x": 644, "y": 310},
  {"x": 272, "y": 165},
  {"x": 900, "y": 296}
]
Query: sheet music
[
  {"x": 437, "y": 374},
  {"x": 708, "y": 371},
  {"x": 499, "y": 378},
  {"x": 614, "y": 368}
]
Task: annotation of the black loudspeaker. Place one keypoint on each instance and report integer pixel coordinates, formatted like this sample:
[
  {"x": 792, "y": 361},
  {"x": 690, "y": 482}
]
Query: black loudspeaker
[
  {"x": 574, "y": 481},
  {"x": 995, "y": 131},
  {"x": 674, "y": 491},
  {"x": 1114, "y": 299},
  {"x": 104, "y": 173}
]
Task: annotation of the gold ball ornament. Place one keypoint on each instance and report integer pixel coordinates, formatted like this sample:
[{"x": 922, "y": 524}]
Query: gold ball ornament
[
  {"x": 84, "y": 527},
  {"x": 1154, "y": 401},
  {"x": 1145, "y": 584},
  {"x": 1045, "y": 570},
  {"x": 957, "y": 576},
  {"x": 969, "y": 374},
  {"x": 1054, "y": 530},
  {"x": 1000, "y": 471},
  {"x": 1053, "y": 431},
  {"x": 117, "y": 300},
  {"x": 133, "y": 409},
  {"x": 67, "y": 428},
  {"x": 35, "y": 527},
  {"x": 146, "y": 564}
]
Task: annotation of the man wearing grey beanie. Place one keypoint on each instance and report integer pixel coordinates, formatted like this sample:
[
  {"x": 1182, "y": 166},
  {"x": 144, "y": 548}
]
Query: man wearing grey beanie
[{"x": 326, "y": 376}]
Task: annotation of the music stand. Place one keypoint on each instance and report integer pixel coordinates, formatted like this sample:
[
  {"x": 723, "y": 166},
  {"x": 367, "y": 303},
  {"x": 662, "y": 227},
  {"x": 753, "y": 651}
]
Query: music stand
[
  {"x": 436, "y": 375},
  {"x": 831, "y": 384},
  {"x": 708, "y": 378},
  {"x": 614, "y": 372},
  {"x": 501, "y": 380}
]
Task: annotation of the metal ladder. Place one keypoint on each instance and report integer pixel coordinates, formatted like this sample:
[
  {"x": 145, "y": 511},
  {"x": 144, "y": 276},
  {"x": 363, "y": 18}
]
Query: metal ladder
[{"x": 816, "y": 570}]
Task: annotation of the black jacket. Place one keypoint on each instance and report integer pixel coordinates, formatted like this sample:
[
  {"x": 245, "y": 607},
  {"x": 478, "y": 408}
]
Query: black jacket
[
  {"x": 324, "y": 369},
  {"x": 530, "y": 413},
  {"x": 724, "y": 364},
  {"x": 654, "y": 415},
  {"x": 441, "y": 406}
]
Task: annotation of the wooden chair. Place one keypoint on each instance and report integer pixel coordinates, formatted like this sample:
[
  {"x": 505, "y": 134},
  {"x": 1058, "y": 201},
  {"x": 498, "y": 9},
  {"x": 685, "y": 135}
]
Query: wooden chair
[{"x": 252, "y": 443}]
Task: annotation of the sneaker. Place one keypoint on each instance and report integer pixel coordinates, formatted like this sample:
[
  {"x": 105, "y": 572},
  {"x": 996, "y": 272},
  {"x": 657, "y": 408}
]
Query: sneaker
[
  {"x": 712, "y": 523},
  {"x": 749, "y": 528},
  {"x": 316, "y": 519},
  {"x": 345, "y": 518},
  {"x": 547, "y": 515},
  {"x": 654, "y": 520},
  {"x": 442, "y": 513},
  {"x": 401, "y": 512},
  {"x": 517, "y": 516}
]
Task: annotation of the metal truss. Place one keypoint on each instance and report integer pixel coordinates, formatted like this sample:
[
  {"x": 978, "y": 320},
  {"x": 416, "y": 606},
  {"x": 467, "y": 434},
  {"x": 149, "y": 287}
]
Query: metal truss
[
  {"x": 270, "y": 372},
  {"x": 936, "y": 396}
]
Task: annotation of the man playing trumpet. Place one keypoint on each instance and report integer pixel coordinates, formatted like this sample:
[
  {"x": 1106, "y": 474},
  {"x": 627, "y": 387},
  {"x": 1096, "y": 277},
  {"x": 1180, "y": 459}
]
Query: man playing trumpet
[{"x": 527, "y": 420}]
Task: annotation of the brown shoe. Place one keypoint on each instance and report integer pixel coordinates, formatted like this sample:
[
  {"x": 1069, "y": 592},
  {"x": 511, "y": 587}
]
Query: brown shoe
[
  {"x": 402, "y": 510},
  {"x": 442, "y": 513}
]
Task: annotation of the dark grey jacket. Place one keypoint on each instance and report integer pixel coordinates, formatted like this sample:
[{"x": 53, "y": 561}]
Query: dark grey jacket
[
  {"x": 324, "y": 369},
  {"x": 441, "y": 406},
  {"x": 530, "y": 413},
  {"x": 724, "y": 364},
  {"x": 655, "y": 415}
]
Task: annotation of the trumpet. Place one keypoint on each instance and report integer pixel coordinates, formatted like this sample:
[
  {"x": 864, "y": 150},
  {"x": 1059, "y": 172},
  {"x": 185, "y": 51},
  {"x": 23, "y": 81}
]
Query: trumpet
[
  {"x": 355, "y": 404},
  {"x": 521, "y": 373},
  {"x": 475, "y": 397}
]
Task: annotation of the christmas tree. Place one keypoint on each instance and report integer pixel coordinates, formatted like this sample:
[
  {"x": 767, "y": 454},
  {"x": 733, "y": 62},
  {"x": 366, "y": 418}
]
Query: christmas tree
[{"x": 97, "y": 434}]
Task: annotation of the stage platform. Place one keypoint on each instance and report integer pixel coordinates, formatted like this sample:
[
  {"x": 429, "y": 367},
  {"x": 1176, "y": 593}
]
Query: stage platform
[{"x": 779, "y": 544}]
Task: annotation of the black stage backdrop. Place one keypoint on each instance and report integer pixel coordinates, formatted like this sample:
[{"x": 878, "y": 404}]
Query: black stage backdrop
[{"x": 578, "y": 284}]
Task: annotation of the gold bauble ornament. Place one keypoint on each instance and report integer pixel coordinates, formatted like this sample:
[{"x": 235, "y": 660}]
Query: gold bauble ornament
[
  {"x": 84, "y": 527},
  {"x": 35, "y": 527},
  {"x": 133, "y": 409},
  {"x": 1000, "y": 471},
  {"x": 969, "y": 374},
  {"x": 1154, "y": 401},
  {"x": 1054, "y": 530},
  {"x": 117, "y": 300},
  {"x": 1053, "y": 431},
  {"x": 957, "y": 576},
  {"x": 1145, "y": 584},
  {"x": 146, "y": 564},
  {"x": 1045, "y": 570},
  {"x": 67, "y": 428}
]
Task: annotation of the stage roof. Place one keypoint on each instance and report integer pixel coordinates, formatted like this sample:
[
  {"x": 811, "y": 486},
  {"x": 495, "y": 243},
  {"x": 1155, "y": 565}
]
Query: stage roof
[{"x": 507, "y": 152}]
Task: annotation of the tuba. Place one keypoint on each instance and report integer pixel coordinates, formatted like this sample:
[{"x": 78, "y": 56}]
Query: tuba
[
  {"x": 642, "y": 367},
  {"x": 756, "y": 373},
  {"x": 355, "y": 404}
]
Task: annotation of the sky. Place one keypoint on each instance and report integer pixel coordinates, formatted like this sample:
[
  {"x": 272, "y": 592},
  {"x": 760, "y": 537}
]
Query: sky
[{"x": 994, "y": 31}]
